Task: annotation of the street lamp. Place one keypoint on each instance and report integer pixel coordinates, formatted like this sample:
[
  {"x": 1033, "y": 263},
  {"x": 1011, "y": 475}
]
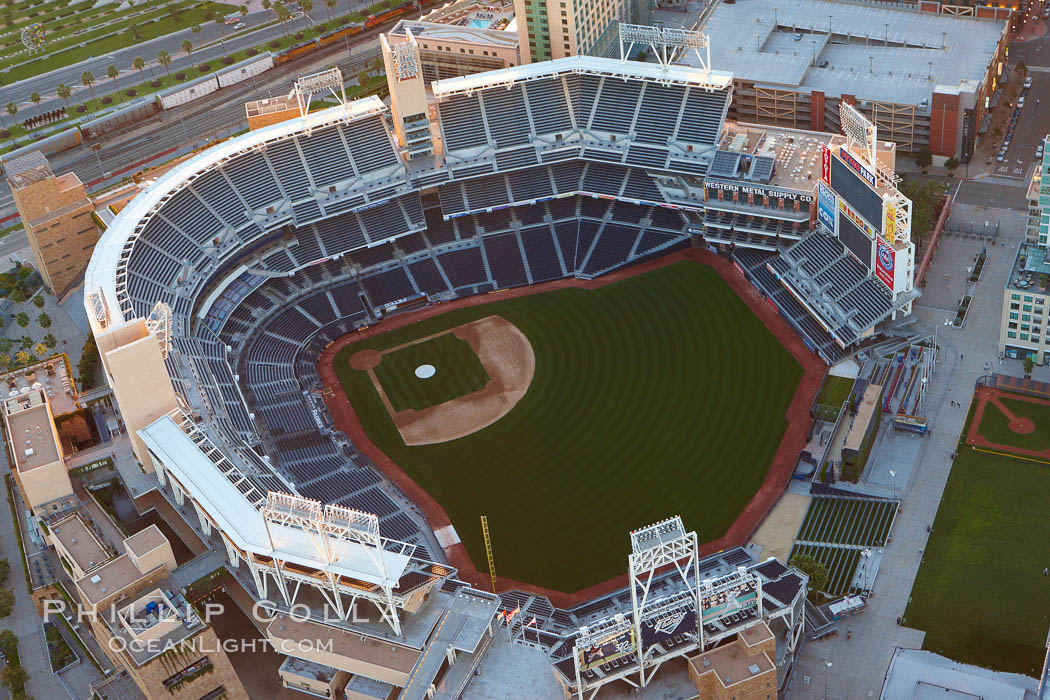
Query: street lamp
[
  {"x": 827, "y": 665},
  {"x": 866, "y": 553},
  {"x": 893, "y": 475}
]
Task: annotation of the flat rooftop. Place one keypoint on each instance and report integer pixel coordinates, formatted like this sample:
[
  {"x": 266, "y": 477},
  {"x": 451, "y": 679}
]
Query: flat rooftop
[
  {"x": 145, "y": 540},
  {"x": 471, "y": 13},
  {"x": 32, "y": 433},
  {"x": 1031, "y": 271},
  {"x": 53, "y": 378},
  {"x": 499, "y": 39},
  {"x": 874, "y": 52},
  {"x": 797, "y": 153},
  {"x": 348, "y": 644},
  {"x": 109, "y": 579},
  {"x": 81, "y": 543},
  {"x": 731, "y": 663}
]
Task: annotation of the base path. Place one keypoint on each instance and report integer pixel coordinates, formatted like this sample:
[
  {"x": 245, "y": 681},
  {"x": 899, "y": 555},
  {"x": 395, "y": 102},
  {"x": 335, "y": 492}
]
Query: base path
[
  {"x": 1018, "y": 424},
  {"x": 791, "y": 444},
  {"x": 508, "y": 359}
]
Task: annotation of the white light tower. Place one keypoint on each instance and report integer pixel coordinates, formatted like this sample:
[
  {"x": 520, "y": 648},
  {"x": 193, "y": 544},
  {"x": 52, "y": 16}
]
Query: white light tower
[
  {"x": 665, "y": 43},
  {"x": 663, "y": 544}
]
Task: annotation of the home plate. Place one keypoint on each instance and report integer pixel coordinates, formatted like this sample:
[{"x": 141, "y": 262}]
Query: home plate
[{"x": 425, "y": 371}]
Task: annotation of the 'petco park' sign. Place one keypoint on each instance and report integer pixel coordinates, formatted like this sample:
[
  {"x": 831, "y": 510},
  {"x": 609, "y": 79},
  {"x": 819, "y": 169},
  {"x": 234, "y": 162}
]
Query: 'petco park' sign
[
  {"x": 861, "y": 169},
  {"x": 760, "y": 191}
]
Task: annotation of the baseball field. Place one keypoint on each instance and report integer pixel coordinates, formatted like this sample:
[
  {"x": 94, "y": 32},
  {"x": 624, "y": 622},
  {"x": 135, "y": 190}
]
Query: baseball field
[
  {"x": 982, "y": 594},
  {"x": 655, "y": 395}
]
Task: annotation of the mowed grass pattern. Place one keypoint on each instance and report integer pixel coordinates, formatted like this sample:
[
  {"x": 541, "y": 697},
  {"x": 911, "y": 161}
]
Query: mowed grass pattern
[
  {"x": 659, "y": 395},
  {"x": 980, "y": 595},
  {"x": 458, "y": 373},
  {"x": 996, "y": 426}
]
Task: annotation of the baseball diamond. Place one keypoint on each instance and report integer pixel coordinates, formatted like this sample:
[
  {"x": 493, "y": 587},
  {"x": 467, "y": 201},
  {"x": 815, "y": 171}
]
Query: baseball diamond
[{"x": 639, "y": 405}]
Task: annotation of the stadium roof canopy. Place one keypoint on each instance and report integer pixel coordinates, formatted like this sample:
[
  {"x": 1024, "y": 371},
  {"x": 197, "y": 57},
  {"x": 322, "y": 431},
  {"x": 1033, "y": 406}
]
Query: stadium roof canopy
[
  {"x": 892, "y": 55},
  {"x": 582, "y": 64},
  {"x": 243, "y": 523}
]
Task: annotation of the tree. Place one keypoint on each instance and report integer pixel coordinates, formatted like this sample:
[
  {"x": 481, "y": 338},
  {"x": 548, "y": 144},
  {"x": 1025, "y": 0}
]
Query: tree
[
  {"x": 26, "y": 342},
  {"x": 87, "y": 78},
  {"x": 307, "y": 5},
  {"x": 330, "y": 5},
  {"x": 927, "y": 198},
  {"x": 164, "y": 59},
  {"x": 5, "y": 345},
  {"x": 187, "y": 48},
  {"x": 138, "y": 64},
  {"x": 5, "y": 569},
  {"x": 12, "y": 109},
  {"x": 64, "y": 92},
  {"x": 817, "y": 572},
  {"x": 22, "y": 358},
  {"x": 13, "y": 676},
  {"x": 951, "y": 164},
  {"x": 283, "y": 15},
  {"x": 8, "y": 639},
  {"x": 88, "y": 362},
  {"x": 5, "y": 362},
  {"x": 44, "y": 321},
  {"x": 267, "y": 5},
  {"x": 18, "y": 294},
  {"x": 924, "y": 158},
  {"x": 376, "y": 65},
  {"x": 1029, "y": 365},
  {"x": 40, "y": 350},
  {"x": 38, "y": 301},
  {"x": 113, "y": 73},
  {"x": 7, "y": 602},
  {"x": 50, "y": 341},
  {"x": 1022, "y": 68},
  {"x": 196, "y": 29},
  {"x": 22, "y": 319},
  {"x": 243, "y": 9},
  {"x": 35, "y": 99}
]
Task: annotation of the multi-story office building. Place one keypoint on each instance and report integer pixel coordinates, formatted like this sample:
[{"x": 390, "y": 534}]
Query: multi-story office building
[
  {"x": 550, "y": 29},
  {"x": 1027, "y": 295},
  {"x": 56, "y": 215}
]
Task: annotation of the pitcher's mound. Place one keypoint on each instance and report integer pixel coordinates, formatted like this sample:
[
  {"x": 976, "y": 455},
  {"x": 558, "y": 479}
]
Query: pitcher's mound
[
  {"x": 1022, "y": 426},
  {"x": 365, "y": 360}
]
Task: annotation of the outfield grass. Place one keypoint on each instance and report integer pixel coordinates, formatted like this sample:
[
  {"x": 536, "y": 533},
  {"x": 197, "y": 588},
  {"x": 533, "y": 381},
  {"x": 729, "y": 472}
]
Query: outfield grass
[
  {"x": 996, "y": 426},
  {"x": 980, "y": 595},
  {"x": 459, "y": 372},
  {"x": 659, "y": 395}
]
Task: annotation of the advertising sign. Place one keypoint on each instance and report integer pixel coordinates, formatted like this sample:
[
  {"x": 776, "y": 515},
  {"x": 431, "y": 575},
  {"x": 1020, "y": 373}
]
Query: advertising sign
[
  {"x": 855, "y": 189},
  {"x": 885, "y": 258},
  {"x": 826, "y": 206},
  {"x": 889, "y": 226},
  {"x": 758, "y": 192},
  {"x": 659, "y": 629},
  {"x": 859, "y": 167},
  {"x": 856, "y": 241},
  {"x": 856, "y": 218},
  {"x": 609, "y": 649},
  {"x": 825, "y": 164}
]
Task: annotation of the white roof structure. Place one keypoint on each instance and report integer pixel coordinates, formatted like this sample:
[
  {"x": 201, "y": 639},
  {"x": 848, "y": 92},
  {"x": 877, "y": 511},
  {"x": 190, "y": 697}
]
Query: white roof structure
[
  {"x": 582, "y": 64},
  {"x": 923, "y": 675},
  {"x": 102, "y": 272},
  {"x": 243, "y": 523},
  {"x": 894, "y": 55}
]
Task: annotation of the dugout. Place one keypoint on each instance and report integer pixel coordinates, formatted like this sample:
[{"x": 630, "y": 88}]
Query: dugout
[{"x": 863, "y": 428}]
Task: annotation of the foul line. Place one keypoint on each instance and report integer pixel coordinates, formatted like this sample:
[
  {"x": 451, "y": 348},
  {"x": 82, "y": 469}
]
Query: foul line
[{"x": 1008, "y": 454}]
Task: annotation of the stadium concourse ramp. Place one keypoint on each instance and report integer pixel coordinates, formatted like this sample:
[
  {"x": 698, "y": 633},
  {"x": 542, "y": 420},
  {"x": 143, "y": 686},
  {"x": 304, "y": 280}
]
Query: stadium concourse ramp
[{"x": 243, "y": 262}]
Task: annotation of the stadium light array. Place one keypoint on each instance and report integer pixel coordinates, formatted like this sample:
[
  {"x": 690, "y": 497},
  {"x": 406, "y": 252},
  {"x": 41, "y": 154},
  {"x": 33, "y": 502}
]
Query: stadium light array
[{"x": 666, "y": 43}]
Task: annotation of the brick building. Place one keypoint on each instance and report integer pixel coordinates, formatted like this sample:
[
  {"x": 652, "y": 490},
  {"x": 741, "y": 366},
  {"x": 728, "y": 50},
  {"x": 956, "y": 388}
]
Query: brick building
[{"x": 56, "y": 215}]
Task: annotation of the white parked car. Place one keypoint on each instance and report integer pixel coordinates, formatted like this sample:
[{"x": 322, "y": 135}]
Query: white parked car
[
  {"x": 1020, "y": 102},
  {"x": 1028, "y": 82}
]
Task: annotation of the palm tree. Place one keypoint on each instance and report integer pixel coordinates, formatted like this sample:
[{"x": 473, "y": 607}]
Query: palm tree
[
  {"x": 164, "y": 59},
  {"x": 187, "y": 48},
  {"x": 138, "y": 64},
  {"x": 267, "y": 5},
  {"x": 88, "y": 79},
  {"x": 50, "y": 341},
  {"x": 35, "y": 99},
  {"x": 40, "y": 350},
  {"x": 112, "y": 72},
  {"x": 283, "y": 15},
  {"x": 12, "y": 109},
  {"x": 222, "y": 29},
  {"x": 376, "y": 65},
  {"x": 64, "y": 92},
  {"x": 330, "y": 5},
  {"x": 308, "y": 6},
  {"x": 243, "y": 9},
  {"x": 44, "y": 321},
  {"x": 197, "y": 32}
]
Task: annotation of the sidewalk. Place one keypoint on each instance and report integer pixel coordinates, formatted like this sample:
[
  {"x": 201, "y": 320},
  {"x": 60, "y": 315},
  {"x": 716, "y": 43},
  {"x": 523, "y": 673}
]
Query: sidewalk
[{"x": 1035, "y": 29}]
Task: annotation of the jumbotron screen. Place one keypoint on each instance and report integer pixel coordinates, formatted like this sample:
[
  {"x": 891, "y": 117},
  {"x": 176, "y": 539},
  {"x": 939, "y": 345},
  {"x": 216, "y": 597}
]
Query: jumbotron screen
[
  {"x": 856, "y": 240},
  {"x": 852, "y": 188}
]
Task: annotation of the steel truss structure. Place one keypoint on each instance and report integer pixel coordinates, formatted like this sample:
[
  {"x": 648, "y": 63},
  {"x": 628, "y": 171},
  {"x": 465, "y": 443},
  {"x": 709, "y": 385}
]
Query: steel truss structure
[
  {"x": 665, "y": 42},
  {"x": 330, "y": 81}
]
